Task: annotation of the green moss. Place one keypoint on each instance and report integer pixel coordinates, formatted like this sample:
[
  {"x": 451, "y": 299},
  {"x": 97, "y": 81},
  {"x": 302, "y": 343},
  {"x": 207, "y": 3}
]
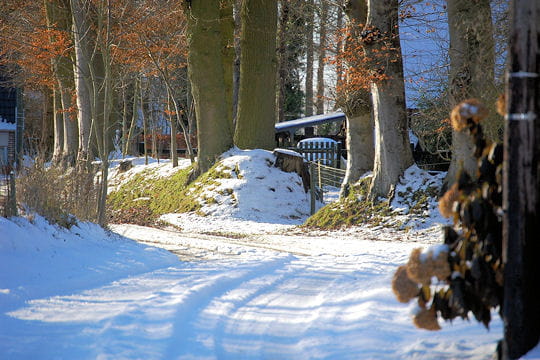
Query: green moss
[
  {"x": 144, "y": 190},
  {"x": 355, "y": 209},
  {"x": 169, "y": 195}
]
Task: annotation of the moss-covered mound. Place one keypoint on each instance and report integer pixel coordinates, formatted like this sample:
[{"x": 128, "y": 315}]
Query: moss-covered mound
[
  {"x": 146, "y": 197},
  {"x": 143, "y": 198},
  {"x": 354, "y": 209},
  {"x": 413, "y": 205}
]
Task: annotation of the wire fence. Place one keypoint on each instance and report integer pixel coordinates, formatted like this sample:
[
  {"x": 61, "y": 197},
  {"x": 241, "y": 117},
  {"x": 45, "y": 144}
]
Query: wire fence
[{"x": 323, "y": 178}]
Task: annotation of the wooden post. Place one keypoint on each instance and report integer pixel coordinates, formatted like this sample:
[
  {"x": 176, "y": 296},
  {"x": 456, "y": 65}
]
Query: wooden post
[
  {"x": 521, "y": 226},
  {"x": 312, "y": 186},
  {"x": 11, "y": 209}
]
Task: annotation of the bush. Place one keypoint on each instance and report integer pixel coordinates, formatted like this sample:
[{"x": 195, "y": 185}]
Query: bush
[{"x": 59, "y": 195}]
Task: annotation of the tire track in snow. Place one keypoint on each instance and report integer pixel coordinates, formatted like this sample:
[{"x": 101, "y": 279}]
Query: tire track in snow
[{"x": 200, "y": 299}]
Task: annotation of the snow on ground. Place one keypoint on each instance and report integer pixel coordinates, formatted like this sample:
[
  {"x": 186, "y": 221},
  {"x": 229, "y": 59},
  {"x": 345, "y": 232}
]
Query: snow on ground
[
  {"x": 242, "y": 286},
  {"x": 87, "y": 294},
  {"x": 257, "y": 198}
]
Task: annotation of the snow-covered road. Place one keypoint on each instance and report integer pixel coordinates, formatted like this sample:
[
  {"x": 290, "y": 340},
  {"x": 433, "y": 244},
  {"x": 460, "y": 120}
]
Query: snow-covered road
[{"x": 245, "y": 301}]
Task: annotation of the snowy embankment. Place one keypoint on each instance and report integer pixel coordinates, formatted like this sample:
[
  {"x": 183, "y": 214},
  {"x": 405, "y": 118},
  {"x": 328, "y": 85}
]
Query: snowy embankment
[{"x": 244, "y": 288}]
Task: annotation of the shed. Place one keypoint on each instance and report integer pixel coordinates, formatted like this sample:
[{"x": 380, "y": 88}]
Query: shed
[{"x": 289, "y": 128}]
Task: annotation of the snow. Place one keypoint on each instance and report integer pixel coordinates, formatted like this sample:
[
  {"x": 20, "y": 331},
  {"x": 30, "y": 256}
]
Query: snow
[
  {"x": 6, "y": 126},
  {"x": 220, "y": 292},
  {"x": 258, "y": 197}
]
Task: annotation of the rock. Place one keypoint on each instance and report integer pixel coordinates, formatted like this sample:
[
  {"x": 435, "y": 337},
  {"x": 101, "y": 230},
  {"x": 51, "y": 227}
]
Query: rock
[{"x": 125, "y": 165}]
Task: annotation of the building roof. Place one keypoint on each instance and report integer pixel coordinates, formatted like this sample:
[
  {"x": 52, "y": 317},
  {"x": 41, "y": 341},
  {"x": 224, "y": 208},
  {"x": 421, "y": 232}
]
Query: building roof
[{"x": 293, "y": 125}]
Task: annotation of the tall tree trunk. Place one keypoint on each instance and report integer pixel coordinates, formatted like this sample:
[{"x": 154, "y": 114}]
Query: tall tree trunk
[
  {"x": 472, "y": 61},
  {"x": 205, "y": 68},
  {"x": 144, "y": 121},
  {"x": 47, "y": 121},
  {"x": 309, "y": 56},
  {"x": 256, "y": 103},
  {"x": 59, "y": 16},
  {"x": 58, "y": 147},
  {"x": 236, "y": 65},
  {"x": 70, "y": 129},
  {"x": 323, "y": 18},
  {"x": 521, "y": 181},
  {"x": 339, "y": 43},
  {"x": 125, "y": 116},
  {"x": 81, "y": 40},
  {"x": 134, "y": 117},
  {"x": 282, "y": 61},
  {"x": 357, "y": 108},
  {"x": 174, "y": 131},
  {"x": 393, "y": 153},
  {"x": 228, "y": 58}
]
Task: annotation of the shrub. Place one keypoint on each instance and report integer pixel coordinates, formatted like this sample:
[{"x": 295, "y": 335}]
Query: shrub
[{"x": 60, "y": 195}]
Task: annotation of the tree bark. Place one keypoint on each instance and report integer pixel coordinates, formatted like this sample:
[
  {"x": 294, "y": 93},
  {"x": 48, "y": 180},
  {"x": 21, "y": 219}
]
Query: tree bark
[
  {"x": 339, "y": 44},
  {"x": 58, "y": 147},
  {"x": 59, "y": 17},
  {"x": 472, "y": 61},
  {"x": 323, "y": 18},
  {"x": 393, "y": 153},
  {"x": 174, "y": 130},
  {"x": 282, "y": 61},
  {"x": 228, "y": 58},
  {"x": 257, "y": 97},
  {"x": 81, "y": 40},
  {"x": 357, "y": 108},
  {"x": 205, "y": 67},
  {"x": 309, "y": 57},
  {"x": 521, "y": 181}
]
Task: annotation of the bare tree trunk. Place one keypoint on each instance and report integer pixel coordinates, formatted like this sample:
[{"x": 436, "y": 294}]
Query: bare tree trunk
[
  {"x": 256, "y": 104},
  {"x": 145, "y": 123},
  {"x": 228, "y": 58},
  {"x": 521, "y": 181},
  {"x": 472, "y": 61},
  {"x": 58, "y": 148},
  {"x": 393, "y": 153},
  {"x": 282, "y": 61},
  {"x": 134, "y": 117},
  {"x": 339, "y": 44},
  {"x": 125, "y": 110},
  {"x": 236, "y": 65},
  {"x": 205, "y": 67},
  {"x": 81, "y": 35},
  {"x": 309, "y": 57},
  {"x": 59, "y": 17},
  {"x": 174, "y": 130},
  {"x": 357, "y": 108},
  {"x": 322, "y": 55}
]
